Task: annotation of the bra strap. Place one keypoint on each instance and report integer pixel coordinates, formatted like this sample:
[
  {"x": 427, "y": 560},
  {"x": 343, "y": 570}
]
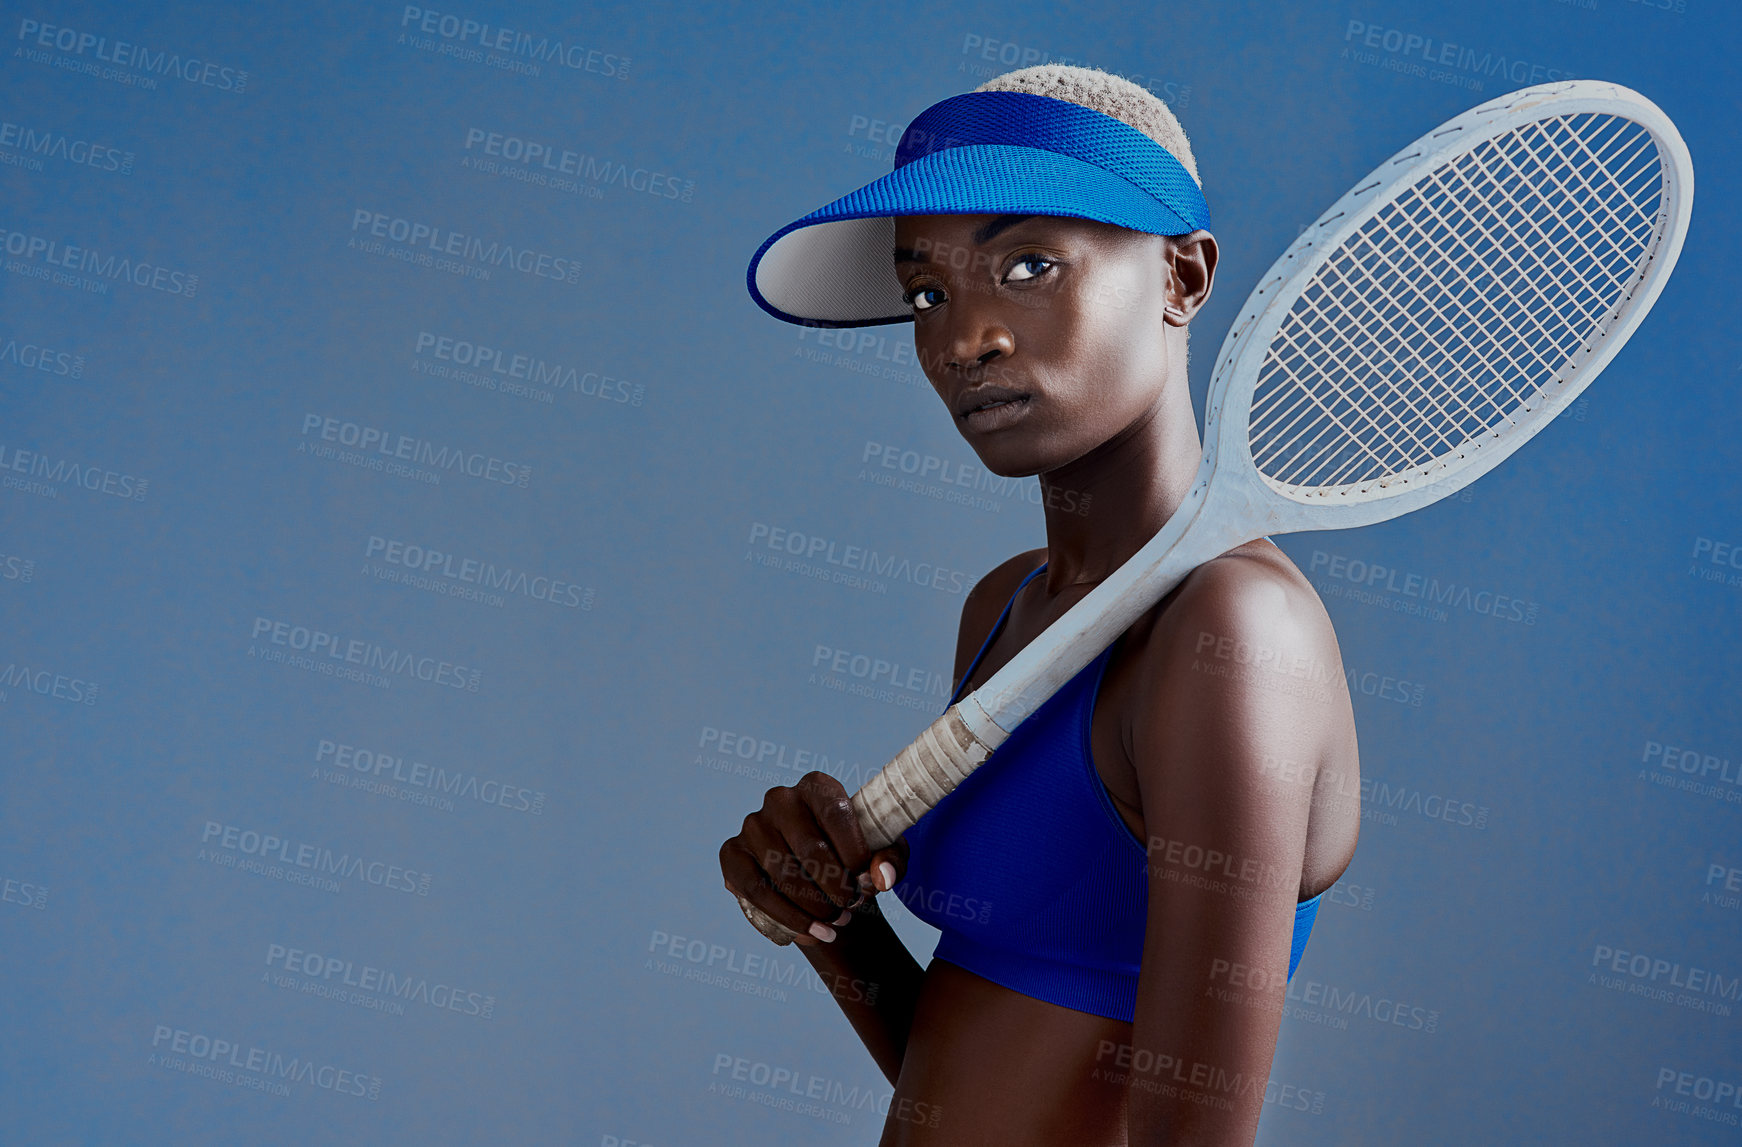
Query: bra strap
[{"x": 987, "y": 644}]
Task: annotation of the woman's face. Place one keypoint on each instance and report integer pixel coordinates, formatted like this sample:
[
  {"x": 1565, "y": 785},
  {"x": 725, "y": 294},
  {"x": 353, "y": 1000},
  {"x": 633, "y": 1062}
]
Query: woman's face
[{"x": 1046, "y": 337}]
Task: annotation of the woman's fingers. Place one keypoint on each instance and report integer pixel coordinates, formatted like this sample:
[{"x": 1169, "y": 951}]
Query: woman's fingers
[
  {"x": 745, "y": 877},
  {"x": 799, "y": 856},
  {"x": 794, "y": 857},
  {"x": 807, "y": 869},
  {"x": 889, "y": 865},
  {"x": 846, "y": 853}
]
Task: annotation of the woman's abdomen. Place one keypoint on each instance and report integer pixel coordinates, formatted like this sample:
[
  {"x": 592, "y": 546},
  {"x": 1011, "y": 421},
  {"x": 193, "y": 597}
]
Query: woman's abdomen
[{"x": 986, "y": 1065}]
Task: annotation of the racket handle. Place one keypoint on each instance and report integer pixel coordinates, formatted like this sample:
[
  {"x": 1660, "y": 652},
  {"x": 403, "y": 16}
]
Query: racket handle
[
  {"x": 910, "y": 786},
  {"x": 925, "y": 772}
]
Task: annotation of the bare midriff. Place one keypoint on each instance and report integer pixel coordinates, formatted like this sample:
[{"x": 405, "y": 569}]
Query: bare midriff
[{"x": 986, "y": 1065}]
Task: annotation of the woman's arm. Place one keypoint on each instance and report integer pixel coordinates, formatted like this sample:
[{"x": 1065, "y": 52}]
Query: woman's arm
[
  {"x": 1243, "y": 697},
  {"x": 875, "y": 980},
  {"x": 800, "y": 858}
]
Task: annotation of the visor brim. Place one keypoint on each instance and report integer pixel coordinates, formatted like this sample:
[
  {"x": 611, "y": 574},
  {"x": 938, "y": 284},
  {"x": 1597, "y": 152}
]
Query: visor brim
[{"x": 833, "y": 268}]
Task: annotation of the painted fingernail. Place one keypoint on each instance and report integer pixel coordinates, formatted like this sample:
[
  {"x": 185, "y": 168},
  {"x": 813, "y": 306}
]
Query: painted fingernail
[
  {"x": 887, "y": 871},
  {"x": 823, "y": 932},
  {"x": 845, "y": 917}
]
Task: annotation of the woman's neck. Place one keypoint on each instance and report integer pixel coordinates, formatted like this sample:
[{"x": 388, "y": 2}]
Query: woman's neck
[{"x": 1102, "y": 508}]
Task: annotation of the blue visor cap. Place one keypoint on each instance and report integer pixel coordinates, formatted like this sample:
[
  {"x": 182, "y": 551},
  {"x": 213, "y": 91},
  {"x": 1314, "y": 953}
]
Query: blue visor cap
[{"x": 992, "y": 153}]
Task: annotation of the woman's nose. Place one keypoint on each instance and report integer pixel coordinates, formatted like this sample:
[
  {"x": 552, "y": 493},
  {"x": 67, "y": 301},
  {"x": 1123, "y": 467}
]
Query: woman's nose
[{"x": 978, "y": 337}]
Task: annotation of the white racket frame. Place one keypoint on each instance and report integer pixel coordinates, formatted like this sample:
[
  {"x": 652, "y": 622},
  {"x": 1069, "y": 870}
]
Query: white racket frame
[
  {"x": 1230, "y": 502},
  {"x": 1228, "y": 406}
]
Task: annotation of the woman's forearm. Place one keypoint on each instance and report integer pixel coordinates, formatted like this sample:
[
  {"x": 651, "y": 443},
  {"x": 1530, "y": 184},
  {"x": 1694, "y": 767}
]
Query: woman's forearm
[{"x": 875, "y": 980}]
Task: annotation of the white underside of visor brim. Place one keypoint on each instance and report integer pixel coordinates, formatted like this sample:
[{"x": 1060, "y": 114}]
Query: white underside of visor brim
[{"x": 839, "y": 272}]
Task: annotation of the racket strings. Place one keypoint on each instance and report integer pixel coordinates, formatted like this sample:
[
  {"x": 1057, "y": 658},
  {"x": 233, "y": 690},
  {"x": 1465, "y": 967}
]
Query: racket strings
[
  {"x": 1439, "y": 283},
  {"x": 1616, "y": 264},
  {"x": 1424, "y": 368},
  {"x": 1366, "y": 331},
  {"x": 1323, "y": 411},
  {"x": 1533, "y": 215},
  {"x": 1455, "y": 305}
]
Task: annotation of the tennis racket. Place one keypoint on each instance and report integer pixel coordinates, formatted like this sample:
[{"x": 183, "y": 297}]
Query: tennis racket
[{"x": 1442, "y": 312}]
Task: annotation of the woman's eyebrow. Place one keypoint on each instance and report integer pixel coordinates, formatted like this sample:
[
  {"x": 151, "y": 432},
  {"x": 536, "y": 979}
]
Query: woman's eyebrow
[
  {"x": 1002, "y": 223},
  {"x": 989, "y": 231}
]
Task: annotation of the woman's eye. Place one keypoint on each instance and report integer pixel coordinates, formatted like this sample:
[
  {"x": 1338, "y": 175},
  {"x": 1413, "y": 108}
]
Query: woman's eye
[
  {"x": 914, "y": 296},
  {"x": 1030, "y": 261}
]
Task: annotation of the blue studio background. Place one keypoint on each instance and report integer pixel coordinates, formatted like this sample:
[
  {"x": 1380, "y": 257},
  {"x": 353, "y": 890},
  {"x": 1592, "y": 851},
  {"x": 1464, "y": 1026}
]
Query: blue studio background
[{"x": 395, "y": 619}]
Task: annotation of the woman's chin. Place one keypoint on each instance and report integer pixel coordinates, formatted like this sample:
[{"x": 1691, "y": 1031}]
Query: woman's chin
[{"x": 1005, "y": 464}]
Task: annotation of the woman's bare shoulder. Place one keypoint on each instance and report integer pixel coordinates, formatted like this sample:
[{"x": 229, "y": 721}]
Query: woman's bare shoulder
[
  {"x": 1245, "y": 637},
  {"x": 1252, "y": 591},
  {"x": 1002, "y": 579},
  {"x": 1240, "y": 702},
  {"x": 987, "y": 600}
]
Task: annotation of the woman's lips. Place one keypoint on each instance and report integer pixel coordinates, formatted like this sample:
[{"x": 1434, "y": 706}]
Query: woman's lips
[{"x": 997, "y": 415}]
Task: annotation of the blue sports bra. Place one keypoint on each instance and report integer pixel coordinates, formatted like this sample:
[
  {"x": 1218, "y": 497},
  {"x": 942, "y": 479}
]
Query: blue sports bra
[{"x": 1028, "y": 870}]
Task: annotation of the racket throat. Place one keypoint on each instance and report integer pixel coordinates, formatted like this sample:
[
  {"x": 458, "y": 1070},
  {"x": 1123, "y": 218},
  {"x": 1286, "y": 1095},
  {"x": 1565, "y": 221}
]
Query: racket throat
[{"x": 1205, "y": 526}]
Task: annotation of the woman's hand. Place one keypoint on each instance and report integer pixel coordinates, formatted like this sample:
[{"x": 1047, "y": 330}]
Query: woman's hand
[{"x": 802, "y": 859}]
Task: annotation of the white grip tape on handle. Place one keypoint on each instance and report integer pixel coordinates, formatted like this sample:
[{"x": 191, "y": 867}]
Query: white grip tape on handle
[{"x": 910, "y": 786}]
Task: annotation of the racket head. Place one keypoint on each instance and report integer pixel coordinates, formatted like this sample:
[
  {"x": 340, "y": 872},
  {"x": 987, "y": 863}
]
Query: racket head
[{"x": 1462, "y": 294}]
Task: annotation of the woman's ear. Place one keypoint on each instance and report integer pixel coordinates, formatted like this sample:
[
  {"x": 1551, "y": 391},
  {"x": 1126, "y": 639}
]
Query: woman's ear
[{"x": 1191, "y": 274}]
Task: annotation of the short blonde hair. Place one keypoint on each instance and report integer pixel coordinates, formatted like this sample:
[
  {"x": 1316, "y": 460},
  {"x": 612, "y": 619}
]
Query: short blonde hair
[{"x": 1108, "y": 94}]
